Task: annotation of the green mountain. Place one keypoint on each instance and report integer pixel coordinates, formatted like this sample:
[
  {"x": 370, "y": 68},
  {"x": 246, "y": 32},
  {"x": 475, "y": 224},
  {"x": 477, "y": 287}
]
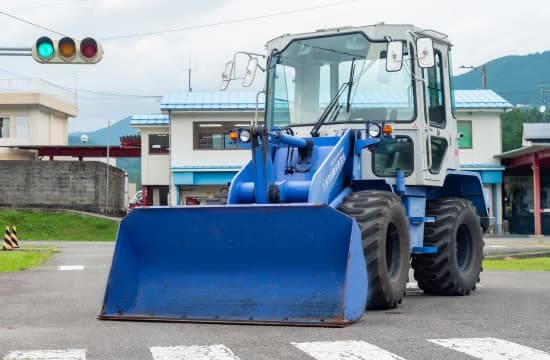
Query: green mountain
[
  {"x": 513, "y": 77},
  {"x": 99, "y": 137},
  {"x": 113, "y": 134}
]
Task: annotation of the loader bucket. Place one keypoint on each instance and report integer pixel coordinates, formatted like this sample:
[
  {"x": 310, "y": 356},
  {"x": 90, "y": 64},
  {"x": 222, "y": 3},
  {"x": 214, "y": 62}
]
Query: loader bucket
[{"x": 280, "y": 264}]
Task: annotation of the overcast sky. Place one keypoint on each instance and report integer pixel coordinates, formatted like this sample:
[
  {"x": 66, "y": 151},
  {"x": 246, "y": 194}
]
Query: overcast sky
[{"x": 151, "y": 65}]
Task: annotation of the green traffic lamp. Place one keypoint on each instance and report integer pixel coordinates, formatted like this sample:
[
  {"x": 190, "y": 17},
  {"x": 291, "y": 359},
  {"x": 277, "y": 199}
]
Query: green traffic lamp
[{"x": 44, "y": 48}]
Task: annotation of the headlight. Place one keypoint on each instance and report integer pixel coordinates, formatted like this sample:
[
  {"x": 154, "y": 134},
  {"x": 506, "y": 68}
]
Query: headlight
[
  {"x": 244, "y": 136},
  {"x": 374, "y": 130}
]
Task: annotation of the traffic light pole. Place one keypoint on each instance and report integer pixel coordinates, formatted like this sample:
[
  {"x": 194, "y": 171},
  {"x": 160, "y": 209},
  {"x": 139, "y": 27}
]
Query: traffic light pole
[{"x": 15, "y": 51}]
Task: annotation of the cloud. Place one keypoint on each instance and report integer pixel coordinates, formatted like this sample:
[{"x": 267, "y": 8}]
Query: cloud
[{"x": 480, "y": 31}]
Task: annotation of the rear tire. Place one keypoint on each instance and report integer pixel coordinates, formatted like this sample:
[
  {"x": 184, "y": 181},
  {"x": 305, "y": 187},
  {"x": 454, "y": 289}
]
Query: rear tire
[
  {"x": 385, "y": 239},
  {"x": 457, "y": 234}
]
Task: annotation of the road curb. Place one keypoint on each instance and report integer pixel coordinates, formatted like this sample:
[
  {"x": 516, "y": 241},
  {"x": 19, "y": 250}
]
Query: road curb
[{"x": 521, "y": 255}]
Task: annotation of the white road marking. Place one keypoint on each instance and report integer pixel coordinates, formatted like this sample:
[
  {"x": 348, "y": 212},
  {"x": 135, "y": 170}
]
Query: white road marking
[
  {"x": 345, "y": 350},
  {"x": 211, "y": 352},
  {"x": 68, "y": 354},
  {"x": 70, "y": 268},
  {"x": 497, "y": 246},
  {"x": 492, "y": 349}
]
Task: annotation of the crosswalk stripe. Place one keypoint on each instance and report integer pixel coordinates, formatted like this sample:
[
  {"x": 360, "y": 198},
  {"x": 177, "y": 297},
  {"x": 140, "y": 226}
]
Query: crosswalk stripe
[
  {"x": 492, "y": 349},
  {"x": 68, "y": 354},
  {"x": 195, "y": 352},
  {"x": 345, "y": 350}
]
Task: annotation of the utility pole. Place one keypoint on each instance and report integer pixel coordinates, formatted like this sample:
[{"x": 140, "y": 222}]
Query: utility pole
[
  {"x": 542, "y": 92},
  {"x": 483, "y": 69},
  {"x": 107, "y": 172}
]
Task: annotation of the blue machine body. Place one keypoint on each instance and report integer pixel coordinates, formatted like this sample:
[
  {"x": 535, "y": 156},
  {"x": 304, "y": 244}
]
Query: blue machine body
[{"x": 279, "y": 252}]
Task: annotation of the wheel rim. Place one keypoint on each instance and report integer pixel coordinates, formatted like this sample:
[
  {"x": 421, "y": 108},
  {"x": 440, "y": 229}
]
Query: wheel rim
[
  {"x": 392, "y": 251},
  {"x": 463, "y": 247}
]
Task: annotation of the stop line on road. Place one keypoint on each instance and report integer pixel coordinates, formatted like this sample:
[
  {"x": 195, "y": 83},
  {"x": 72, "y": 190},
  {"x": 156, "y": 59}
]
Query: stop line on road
[
  {"x": 70, "y": 268},
  {"x": 478, "y": 348}
]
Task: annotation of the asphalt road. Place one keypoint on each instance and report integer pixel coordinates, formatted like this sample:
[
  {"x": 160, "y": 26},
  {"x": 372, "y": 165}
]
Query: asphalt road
[{"x": 50, "y": 309}]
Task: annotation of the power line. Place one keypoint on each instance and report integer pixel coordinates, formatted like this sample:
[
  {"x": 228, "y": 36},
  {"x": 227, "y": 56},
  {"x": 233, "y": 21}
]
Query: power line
[
  {"x": 227, "y": 22},
  {"x": 50, "y": 5},
  {"x": 31, "y": 23},
  {"x": 95, "y": 92},
  {"x": 112, "y": 94}
]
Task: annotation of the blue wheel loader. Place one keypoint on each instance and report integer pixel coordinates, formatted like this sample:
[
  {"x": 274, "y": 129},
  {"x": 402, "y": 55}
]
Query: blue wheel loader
[{"x": 354, "y": 178}]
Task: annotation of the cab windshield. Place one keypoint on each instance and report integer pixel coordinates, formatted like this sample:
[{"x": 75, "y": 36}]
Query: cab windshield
[{"x": 309, "y": 74}]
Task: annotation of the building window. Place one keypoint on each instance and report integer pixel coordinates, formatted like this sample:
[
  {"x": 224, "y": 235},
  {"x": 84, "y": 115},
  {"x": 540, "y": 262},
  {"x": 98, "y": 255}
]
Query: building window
[
  {"x": 214, "y": 135},
  {"x": 158, "y": 144},
  {"x": 4, "y": 127},
  {"x": 465, "y": 128}
]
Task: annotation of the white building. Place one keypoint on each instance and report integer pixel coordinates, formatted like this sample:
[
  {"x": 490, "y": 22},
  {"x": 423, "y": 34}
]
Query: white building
[
  {"x": 478, "y": 115},
  {"x": 33, "y": 112},
  {"x": 203, "y": 160}
]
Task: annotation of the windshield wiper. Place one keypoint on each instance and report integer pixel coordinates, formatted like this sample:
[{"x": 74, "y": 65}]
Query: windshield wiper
[
  {"x": 350, "y": 84},
  {"x": 347, "y": 85},
  {"x": 315, "y": 131}
]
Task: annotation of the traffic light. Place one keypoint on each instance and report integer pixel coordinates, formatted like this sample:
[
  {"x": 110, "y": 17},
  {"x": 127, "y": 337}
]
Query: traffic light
[{"x": 67, "y": 51}]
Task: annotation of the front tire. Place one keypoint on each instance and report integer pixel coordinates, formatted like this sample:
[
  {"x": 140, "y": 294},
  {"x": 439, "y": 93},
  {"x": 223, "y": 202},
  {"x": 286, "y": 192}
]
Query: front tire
[
  {"x": 456, "y": 232},
  {"x": 385, "y": 239}
]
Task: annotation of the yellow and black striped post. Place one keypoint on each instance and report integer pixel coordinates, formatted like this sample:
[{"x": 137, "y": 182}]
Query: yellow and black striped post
[
  {"x": 7, "y": 245},
  {"x": 13, "y": 236}
]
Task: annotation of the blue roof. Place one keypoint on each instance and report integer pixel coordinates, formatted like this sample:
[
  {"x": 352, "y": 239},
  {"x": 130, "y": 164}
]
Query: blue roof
[
  {"x": 153, "y": 119},
  {"x": 480, "y": 99},
  {"x": 246, "y": 100},
  {"x": 209, "y": 100}
]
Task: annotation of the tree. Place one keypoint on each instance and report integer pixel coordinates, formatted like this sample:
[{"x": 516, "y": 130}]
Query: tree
[{"x": 512, "y": 126}]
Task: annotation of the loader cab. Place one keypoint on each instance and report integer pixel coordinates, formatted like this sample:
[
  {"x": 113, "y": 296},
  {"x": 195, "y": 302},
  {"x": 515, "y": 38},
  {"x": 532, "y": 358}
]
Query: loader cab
[
  {"x": 308, "y": 73},
  {"x": 383, "y": 73}
]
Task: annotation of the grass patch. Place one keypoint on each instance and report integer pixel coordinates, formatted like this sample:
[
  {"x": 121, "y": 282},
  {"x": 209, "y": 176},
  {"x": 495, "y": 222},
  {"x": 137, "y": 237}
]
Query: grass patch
[
  {"x": 24, "y": 259},
  {"x": 510, "y": 264},
  {"x": 49, "y": 225}
]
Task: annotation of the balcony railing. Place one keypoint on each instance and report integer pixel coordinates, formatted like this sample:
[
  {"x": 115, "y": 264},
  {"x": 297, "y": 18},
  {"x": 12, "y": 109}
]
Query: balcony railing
[{"x": 44, "y": 87}]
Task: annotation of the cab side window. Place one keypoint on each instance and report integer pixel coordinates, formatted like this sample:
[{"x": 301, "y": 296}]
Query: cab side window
[{"x": 433, "y": 78}]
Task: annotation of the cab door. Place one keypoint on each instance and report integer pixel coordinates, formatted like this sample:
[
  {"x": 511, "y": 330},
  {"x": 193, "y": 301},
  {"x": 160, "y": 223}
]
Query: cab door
[{"x": 438, "y": 113}]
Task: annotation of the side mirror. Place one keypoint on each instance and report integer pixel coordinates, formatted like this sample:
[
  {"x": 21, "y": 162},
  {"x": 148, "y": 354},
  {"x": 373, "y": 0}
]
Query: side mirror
[
  {"x": 226, "y": 75},
  {"x": 394, "y": 56},
  {"x": 425, "y": 49},
  {"x": 250, "y": 71}
]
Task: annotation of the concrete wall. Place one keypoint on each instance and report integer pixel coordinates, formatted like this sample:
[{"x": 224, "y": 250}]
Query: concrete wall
[{"x": 78, "y": 185}]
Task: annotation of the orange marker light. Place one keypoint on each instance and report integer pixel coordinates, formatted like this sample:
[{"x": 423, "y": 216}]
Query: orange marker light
[
  {"x": 233, "y": 135},
  {"x": 388, "y": 129}
]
